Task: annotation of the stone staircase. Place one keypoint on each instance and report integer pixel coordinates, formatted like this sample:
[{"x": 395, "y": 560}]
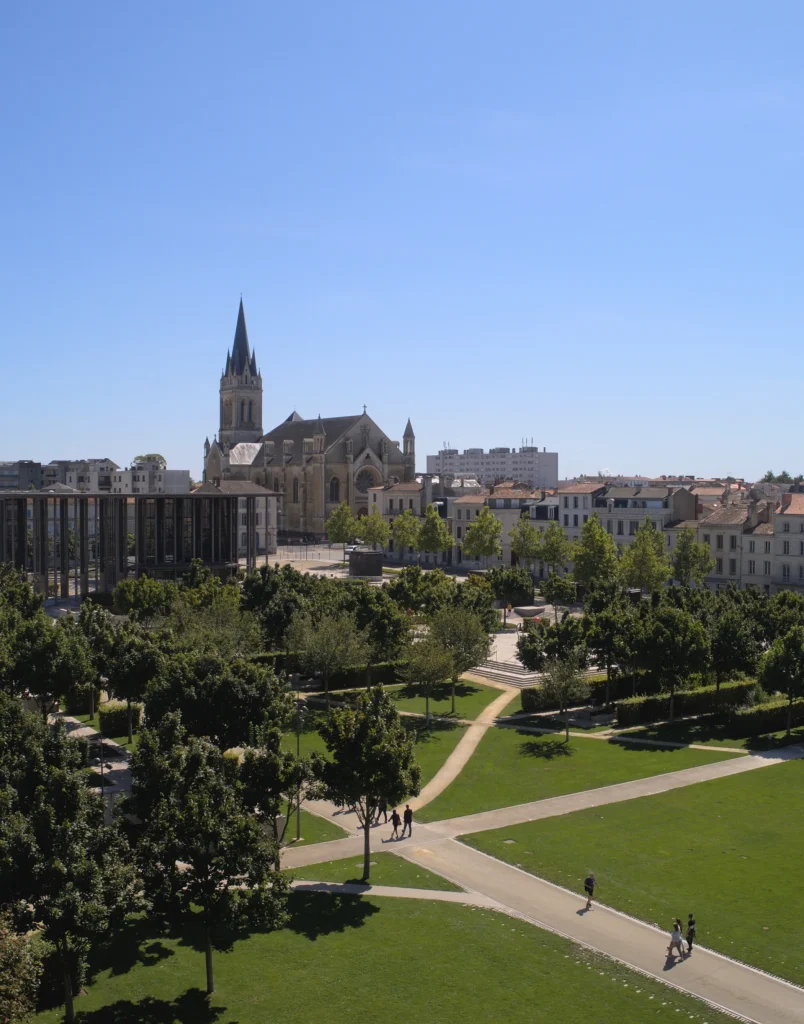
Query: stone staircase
[{"x": 510, "y": 672}]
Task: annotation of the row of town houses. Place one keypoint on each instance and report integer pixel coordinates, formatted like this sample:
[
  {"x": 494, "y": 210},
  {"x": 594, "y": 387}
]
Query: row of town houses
[{"x": 755, "y": 539}]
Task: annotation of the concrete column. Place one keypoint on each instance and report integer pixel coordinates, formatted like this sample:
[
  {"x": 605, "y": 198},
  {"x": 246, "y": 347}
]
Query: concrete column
[
  {"x": 83, "y": 546},
  {"x": 61, "y": 509}
]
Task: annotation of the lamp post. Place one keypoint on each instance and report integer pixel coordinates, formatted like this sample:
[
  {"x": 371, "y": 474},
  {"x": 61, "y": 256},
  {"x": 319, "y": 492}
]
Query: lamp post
[{"x": 300, "y": 712}]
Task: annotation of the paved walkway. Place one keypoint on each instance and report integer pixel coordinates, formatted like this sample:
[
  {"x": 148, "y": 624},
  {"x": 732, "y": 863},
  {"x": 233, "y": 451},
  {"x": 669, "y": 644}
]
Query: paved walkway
[{"x": 468, "y": 899}]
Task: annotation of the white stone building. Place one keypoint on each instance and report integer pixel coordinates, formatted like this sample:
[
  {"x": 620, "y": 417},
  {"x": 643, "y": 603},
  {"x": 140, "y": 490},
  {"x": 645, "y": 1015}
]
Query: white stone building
[{"x": 529, "y": 464}]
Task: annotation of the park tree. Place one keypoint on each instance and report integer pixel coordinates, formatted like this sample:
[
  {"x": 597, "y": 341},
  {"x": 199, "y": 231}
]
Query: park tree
[
  {"x": 691, "y": 561},
  {"x": 160, "y": 460},
  {"x": 782, "y": 668},
  {"x": 511, "y": 584},
  {"x": 594, "y": 556},
  {"x": 420, "y": 592},
  {"x": 603, "y": 636},
  {"x": 461, "y": 633},
  {"x": 556, "y": 548},
  {"x": 734, "y": 645},
  {"x": 143, "y": 599},
  {"x": 202, "y": 852},
  {"x": 135, "y": 661},
  {"x": 98, "y": 628},
  {"x": 372, "y": 760},
  {"x": 427, "y": 669},
  {"x": 382, "y": 621},
  {"x": 482, "y": 537},
  {"x": 433, "y": 536},
  {"x": 644, "y": 564},
  {"x": 541, "y": 642},
  {"x": 61, "y": 868},
  {"x": 212, "y": 619},
  {"x": 274, "y": 594},
  {"x": 16, "y": 593},
  {"x": 374, "y": 530},
  {"x": 341, "y": 526},
  {"x": 559, "y": 591},
  {"x": 476, "y": 595},
  {"x": 219, "y": 699},
  {"x": 781, "y": 613},
  {"x": 329, "y": 645},
  {"x": 676, "y": 645},
  {"x": 526, "y": 543},
  {"x": 405, "y": 530},
  {"x": 20, "y": 970},
  {"x": 563, "y": 683}
]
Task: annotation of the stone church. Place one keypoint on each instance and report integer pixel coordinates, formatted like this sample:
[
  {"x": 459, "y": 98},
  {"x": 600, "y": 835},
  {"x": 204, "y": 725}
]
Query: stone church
[{"x": 313, "y": 465}]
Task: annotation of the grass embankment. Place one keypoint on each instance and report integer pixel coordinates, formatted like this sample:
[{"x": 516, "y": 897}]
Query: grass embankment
[
  {"x": 728, "y": 850},
  {"x": 470, "y": 698},
  {"x": 347, "y": 956},
  {"x": 512, "y": 767}
]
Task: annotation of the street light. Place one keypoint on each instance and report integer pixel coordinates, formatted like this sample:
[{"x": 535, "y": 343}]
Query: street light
[{"x": 301, "y": 712}]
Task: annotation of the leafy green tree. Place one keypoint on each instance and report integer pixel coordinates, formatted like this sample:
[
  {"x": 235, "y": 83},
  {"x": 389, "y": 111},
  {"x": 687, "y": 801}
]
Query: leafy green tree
[
  {"x": 211, "y": 619},
  {"x": 482, "y": 537},
  {"x": 461, "y": 633},
  {"x": 16, "y": 593},
  {"x": 556, "y": 549},
  {"x": 98, "y": 628},
  {"x": 476, "y": 595},
  {"x": 734, "y": 645},
  {"x": 28, "y": 656},
  {"x": 331, "y": 644},
  {"x": 433, "y": 536},
  {"x": 781, "y": 613},
  {"x": 691, "y": 561},
  {"x": 604, "y": 637},
  {"x": 511, "y": 584},
  {"x": 372, "y": 760},
  {"x": 61, "y": 868},
  {"x": 20, "y": 970},
  {"x": 422, "y": 592},
  {"x": 135, "y": 661},
  {"x": 219, "y": 699},
  {"x": 783, "y": 668},
  {"x": 559, "y": 591},
  {"x": 374, "y": 530},
  {"x": 202, "y": 851},
  {"x": 541, "y": 642},
  {"x": 676, "y": 646},
  {"x": 526, "y": 542},
  {"x": 151, "y": 457},
  {"x": 564, "y": 684},
  {"x": 384, "y": 624},
  {"x": 341, "y": 526},
  {"x": 143, "y": 599},
  {"x": 275, "y": 594},
  {"x": 594, "y": 557},
  {"x": 428, "y": 667},
  {"x": 405, "y": 530},
  {"x": 644, "y": 565}
]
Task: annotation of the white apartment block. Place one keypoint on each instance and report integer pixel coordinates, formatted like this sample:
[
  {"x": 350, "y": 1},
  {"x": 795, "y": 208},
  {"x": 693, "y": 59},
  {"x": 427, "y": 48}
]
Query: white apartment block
[
  {"x": 526, "y": 465},
  {"x": 150, "y": 478}
]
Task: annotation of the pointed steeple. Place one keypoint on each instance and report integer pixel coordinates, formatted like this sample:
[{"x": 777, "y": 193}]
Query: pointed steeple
[
  {"x": 240, "y": 350},
  {"x": 319, "y": 426},
  {"x": 228, "y": 369},
  {"x": 409, "y": 430},
  {"x": 253, "y": 367}
]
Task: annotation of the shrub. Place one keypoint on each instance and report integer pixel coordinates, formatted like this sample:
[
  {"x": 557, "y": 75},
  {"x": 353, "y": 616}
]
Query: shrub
[
  {"x": 77, "y": 701},
  {"x": 704, "y": 701},
  {"x": 114, "y": 718},
  {"x": 767, "y": 717}
]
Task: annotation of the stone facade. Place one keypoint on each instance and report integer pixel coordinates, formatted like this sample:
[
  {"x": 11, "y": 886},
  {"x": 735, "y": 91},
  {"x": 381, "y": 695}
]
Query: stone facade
[{"x": 311, "y": 464}]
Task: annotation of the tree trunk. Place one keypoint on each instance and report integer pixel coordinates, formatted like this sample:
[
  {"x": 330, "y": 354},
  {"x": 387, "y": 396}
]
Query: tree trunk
[
  {"x": 789, "y": 714},
  {"x": 608, "y": 679},
  {"x": 367, "y": 844},
  {"x": 69, "y": 1007},
  {"x": 208, "y": 952},
  {"x": 92, "y": 703},
  {"x": 454, "y": 681},
  {"x": 130, "y": 730},
  {"x": 326, "y": 689},
  {"x": 427, "y": 708},
  {"x": 566, "y": 723},
  {"x": 672, "y": 695}
]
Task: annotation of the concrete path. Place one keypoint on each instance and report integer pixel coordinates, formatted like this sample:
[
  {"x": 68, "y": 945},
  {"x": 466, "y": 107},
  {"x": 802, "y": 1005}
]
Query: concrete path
[{"x": 468, "y": 899}]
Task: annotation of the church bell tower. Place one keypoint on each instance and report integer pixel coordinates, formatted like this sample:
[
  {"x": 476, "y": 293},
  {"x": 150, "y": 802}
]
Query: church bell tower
[{"x": 241, "y": 391}]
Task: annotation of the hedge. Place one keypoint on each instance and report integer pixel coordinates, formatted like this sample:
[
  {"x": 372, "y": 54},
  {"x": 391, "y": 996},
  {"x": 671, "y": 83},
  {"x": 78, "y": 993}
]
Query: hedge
[
  {"x": 703, "y": 701},
  {"x": 386, "y": 672},
  {"x": 114, "y": 718},
  {"x": 769, "y": 717},
  {"x": 77, "y": 701}
]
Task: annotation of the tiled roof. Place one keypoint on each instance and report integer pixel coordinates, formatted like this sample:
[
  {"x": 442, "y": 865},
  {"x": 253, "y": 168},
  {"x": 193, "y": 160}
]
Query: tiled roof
[
  {"x": 471, "y": 499},
  {"x": 709, "y": 492},
  {"x": 686, "y": 524},
  {"x": 795, "y": 506},
  {"x": 653, "y": 492},
  {"x": 244, "y": 487},
  {"x": 621, "y": 492},
  {"x": 580, "y": 488},
  {"x": 513, "y": 492},
  {"x": 761, "y": 528},
  {"x": 727, "y": 515},
  {"x": 412, "y": 485}
]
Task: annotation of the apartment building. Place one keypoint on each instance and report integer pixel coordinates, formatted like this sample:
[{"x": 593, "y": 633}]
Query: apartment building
[
  {"x": 150, "y": 478},
  {"x": 20, "y": 475},
  {"x": 535, "y": 467},
  {"x": 576, "y": 504},
  {"x": 788, "y": 543}
]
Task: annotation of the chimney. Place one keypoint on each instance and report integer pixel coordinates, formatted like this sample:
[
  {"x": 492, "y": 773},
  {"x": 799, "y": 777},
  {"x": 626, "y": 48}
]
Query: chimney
[
  {"x": 787, "y": 497},
  {"x": 753, "y": 514},
  {"x": 771, "y": 506},
  {"x": 491, "y": 489}
]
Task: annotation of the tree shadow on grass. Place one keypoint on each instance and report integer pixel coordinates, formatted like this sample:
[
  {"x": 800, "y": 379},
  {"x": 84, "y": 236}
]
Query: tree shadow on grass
[
  {"x": 440, "y": 693},
  {"x": 426, "y": 734},
  {"x": 314, "y": 914},
  {"x": 546, "y": 749},
  {"x": 191, "y": 1007},
  {"x": 135, "y": 945}
]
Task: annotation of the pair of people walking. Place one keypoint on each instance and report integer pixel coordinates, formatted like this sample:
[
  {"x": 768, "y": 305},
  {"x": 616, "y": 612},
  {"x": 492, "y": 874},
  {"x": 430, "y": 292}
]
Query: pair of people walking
[
  {"x": 676, "y": 942},
  {"x": 407, "y": 824}
]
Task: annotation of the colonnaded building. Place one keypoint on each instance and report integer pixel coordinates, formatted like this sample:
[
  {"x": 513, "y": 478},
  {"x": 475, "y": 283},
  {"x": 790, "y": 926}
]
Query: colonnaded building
[{"x": 312, "y": 464}]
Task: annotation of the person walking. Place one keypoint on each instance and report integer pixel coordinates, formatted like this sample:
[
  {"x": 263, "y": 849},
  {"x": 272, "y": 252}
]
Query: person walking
[
  {"x": 589, "y": 887},
  {"x": 382, "y": 809},
  {"x": 408, "y": 821},
  {"x": 675, "y": 939},
  {"x": 690, "y": 933},
  {"x": 395, "y": 821}
]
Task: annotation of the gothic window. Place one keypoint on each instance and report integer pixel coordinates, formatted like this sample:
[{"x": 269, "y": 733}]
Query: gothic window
[
  {"x": 296, "y": 490},
  {"x": 335, "y": 489},
  {"x": 251, "y": 412},
  {"x": 364, "y": 480},
  {"x": 243, "y": 411}
]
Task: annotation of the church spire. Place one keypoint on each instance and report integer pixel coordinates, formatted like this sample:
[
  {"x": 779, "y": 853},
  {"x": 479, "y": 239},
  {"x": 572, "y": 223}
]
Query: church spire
[{"x": 241, "y": 356}]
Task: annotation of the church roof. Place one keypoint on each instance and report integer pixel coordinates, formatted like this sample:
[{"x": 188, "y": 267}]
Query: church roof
[
  {"x": 409, "y": 430},
  {"x": 295, "y": 429},
  {"x": 245, "y": 453},
  {"x": 294, "y": 418},
  {"x": 241, "y": 355}
]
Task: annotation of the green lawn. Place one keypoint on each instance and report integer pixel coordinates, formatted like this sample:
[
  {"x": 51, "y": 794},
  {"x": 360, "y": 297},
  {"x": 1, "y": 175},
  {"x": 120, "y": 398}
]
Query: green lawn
[
  {"x": 433, "y": 745},
  {"x": 386, "y": 869},
  {"x": 729, "y": 850},
  {"x": 512, "y": 767},
  {"x": 470, "y": 699},
  {"x": 716, "y": 734},
  {"x": 343, "y": 958},
  {"x": 314, "y": 829},
  {"x": 121, "y": 741}
]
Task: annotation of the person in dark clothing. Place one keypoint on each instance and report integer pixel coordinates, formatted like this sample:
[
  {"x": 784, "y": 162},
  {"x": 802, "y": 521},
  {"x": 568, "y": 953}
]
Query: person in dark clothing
[
  {"x": 589, "y": 888},
  {"x": 408, "y": 819},
  {"x": 690, "y": 933},
  {"x": 395, "y": 821},
  {"x": 382, "y": 809}
]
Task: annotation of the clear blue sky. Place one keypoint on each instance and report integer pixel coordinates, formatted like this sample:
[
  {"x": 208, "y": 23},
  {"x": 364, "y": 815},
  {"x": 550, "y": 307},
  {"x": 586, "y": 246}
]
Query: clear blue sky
[{"x": 576, "y": 222}]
